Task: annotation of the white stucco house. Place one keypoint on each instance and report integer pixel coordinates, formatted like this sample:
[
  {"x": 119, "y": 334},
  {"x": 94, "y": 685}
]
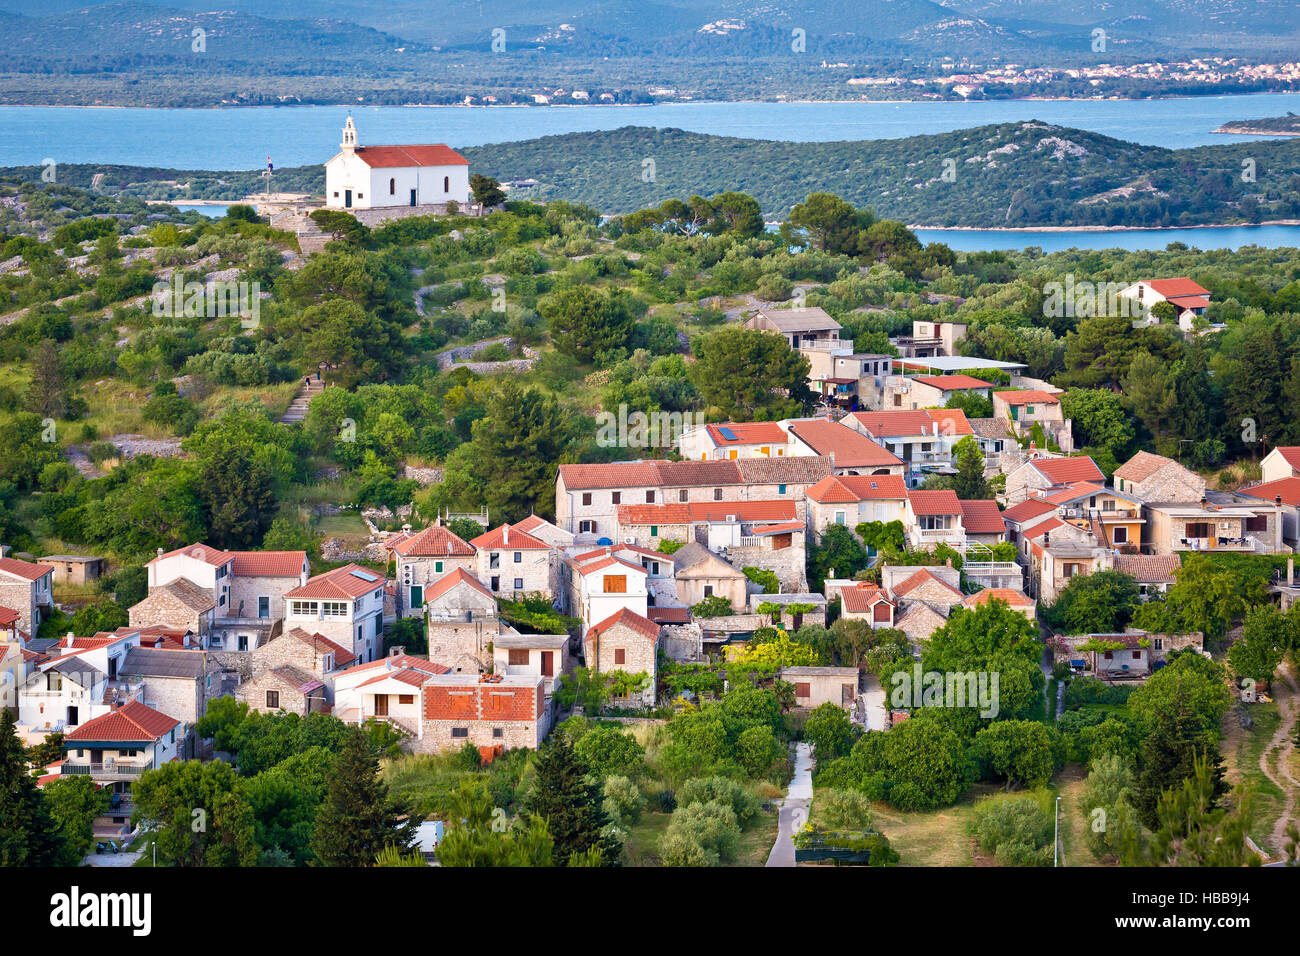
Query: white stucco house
[{"x": 370, "y": 177}]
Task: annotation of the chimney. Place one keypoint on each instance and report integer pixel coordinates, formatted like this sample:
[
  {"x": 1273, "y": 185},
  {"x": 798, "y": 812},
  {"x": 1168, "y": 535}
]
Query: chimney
[
  {"x": 160, "y": 552},
  {"x": 505, "y": 534},
  {"x": 1290, "y": 572},
  {"x": 67, "y": 640},
  {"x": 396, "y": 651},
  {"x": 948, "y": 562}
]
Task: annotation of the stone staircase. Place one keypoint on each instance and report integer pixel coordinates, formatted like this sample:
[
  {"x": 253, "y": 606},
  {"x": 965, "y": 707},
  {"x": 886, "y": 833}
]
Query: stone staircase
[{"x": 297, "y": 410}]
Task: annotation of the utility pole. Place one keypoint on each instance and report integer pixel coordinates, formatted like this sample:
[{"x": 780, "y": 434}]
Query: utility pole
[{"x": 1056, "y": 833}]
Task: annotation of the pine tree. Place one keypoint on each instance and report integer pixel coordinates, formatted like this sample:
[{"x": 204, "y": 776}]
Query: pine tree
[
  {"x": 358, "y": 820},
  {"x": 47, "y": 395},
  {"x": 570, "y": 804},
  {"x": 1169, "y": 754},
  {"x": 1191, "y": 829},
  {"x": 28, "y": 836}
]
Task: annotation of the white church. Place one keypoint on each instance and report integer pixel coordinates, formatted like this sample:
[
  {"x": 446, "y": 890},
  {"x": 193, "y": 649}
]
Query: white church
[{"x": 376, "y": 177}]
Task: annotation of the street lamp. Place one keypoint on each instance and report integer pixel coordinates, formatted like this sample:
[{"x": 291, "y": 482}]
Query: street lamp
[{"x": 154, "y": 844}]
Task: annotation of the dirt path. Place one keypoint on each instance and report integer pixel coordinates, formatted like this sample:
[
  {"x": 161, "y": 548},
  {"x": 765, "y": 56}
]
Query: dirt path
[{"x": 1283, "y": 742}]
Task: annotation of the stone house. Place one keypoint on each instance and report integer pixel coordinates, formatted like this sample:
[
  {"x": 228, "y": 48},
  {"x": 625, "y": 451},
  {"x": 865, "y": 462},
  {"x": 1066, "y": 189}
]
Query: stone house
[
  {"x": 313, "y": 653},
  {"x": 600, "y": 587},
  {"x": 1156, "y": 478},
  {"x": 1285, "y": 493},
  {"x": 180, "y": 604},
  {"x": 814, "y": 686},
  {"x": 1141, "y": 652},
  {"x": 1022, "y": 409},
  {"x": 868, "y": 602},
  {"x": 716, "y": 524},
  {"x": 1016, "y": 600},
  {"x": 28, "y": 589},
  {"x": 513, "y": 564},
  {"x": 700, "y": 573},
  {"x": 493, "y": 712},
  {"x": 1153, "y": 573},
  {"x": 733, "y": 440},
  {"x": 1042, "y": 473},
  {"x": 285, "y": 688},
  {"x": 850, "y": 500},
  {"x": 801, "y": 328},
  {"x": 1221, "y": 522},
  {"x": 177, "y": 683},
  {"x": 929, "y": 391},
  {"x": 75, "y": 569},
  {"x": 345, "y": 605},
  {"x": 461, "y": 621},
  {"x": 629, "y": 642},
  {"x": 423, "y": 559}
]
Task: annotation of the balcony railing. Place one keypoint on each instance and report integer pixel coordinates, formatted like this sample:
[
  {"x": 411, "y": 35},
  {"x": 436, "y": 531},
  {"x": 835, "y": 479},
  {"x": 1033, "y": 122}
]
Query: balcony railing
[{"x": 105, "y": 771}]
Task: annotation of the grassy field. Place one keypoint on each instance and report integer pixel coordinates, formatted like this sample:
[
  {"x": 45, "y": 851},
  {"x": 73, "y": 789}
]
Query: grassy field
[
  {"x": 942, "y": 838},
  {"x": 1242, "y": 749}
]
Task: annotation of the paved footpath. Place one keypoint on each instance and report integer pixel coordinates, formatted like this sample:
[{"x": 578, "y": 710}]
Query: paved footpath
[{"x": 794, "y": 809}]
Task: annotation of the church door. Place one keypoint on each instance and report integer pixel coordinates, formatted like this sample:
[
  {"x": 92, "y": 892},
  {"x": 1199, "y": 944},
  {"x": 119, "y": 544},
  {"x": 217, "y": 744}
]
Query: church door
[
  {"x": 412, "y": 197},
  {"x": 347, "y": 198}
]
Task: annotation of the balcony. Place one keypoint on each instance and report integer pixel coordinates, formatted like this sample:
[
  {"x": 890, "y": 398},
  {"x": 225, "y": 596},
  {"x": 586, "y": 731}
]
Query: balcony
[{"x": 105, "y": 771}]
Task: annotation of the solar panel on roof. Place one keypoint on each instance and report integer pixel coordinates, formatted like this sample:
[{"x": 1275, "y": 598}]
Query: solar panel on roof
[
  {"x": 365, "y": 576},
  {"x": 728, "y": 434}
]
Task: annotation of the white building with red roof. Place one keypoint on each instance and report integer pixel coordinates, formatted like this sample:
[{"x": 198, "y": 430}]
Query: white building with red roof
[
  {"x": 605, "y": 583},
  {"x": 118, "y": 746},
  {"x": 346, "y": 605},
  {"x": 28, "y": 589},
  {"x": 853, "y": 453},
  {"x": 923, "y": 438},
  {"x": 1282, "y": 462},
  {"x": 1189, "y": 299},
  {"x": 733, "y": 440},
  {"x": 369, "y": 177}
]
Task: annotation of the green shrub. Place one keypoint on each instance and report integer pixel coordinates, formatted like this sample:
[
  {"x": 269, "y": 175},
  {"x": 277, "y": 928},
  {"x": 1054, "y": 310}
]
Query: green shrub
[
  {"x": 743, "y": 805},
  {"x": 623, "y": 800}
]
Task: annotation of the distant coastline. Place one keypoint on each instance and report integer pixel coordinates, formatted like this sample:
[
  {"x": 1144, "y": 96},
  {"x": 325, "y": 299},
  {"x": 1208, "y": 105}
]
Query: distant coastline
[{"x": 1203, "y": 225}]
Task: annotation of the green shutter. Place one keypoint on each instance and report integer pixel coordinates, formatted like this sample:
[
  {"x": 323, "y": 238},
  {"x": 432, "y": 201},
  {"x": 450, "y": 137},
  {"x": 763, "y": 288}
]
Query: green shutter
[
  {"x": 437, "y": 567},
  {"x": 417, "y": 595},
  {"x": 654, "y": 531}
]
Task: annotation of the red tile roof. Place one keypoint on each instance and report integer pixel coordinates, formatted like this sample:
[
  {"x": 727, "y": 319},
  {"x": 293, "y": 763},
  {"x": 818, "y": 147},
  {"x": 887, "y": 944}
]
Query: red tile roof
[
  {"x": 8, "y": 616},
  {"x": 200, "y": 552},
  {"x": 433, "y": 154},
  {"x": 668, "y": 615},
  {"x": 1290, "y": 454},
  {"x": 132, "y": 722},
  {"x": 1288, "y": 488},
  {"x": 778, "y": 528},
  {"x": 1179, "y": 288},
  {"x": 1027, "y": 510},
  {"x": 623, "y": 474},
  {"x": 950, "y": 421},
  {"x": 1028, "y": 396},
  {"x": 1012, "y": 597},
  {"x": 948, "y": 383},
  {"x": 850, "y": 488},
  {"x": 629, "y": 619},
  {"x": 609, "y": 562},
  {"x": 268, "y": 564},
  {"x": 449, "y": 581},
  {"x": 863, "y": 597},
  {"x": 1148, "y": 568},
  {"x": 343, "y": 582},
  {"x": 934, "y": 502},
  {"x": 1142, "y": 466},
  {"x": 1078, "y": 489},
  {"x": 508, "y": 538},
  {"x": 24, "y": 569},
  {"x": 981, "y": 516},
  {"x": 434, "y": 541},
  {"x": 919, "y": 578},
  {"x": 1063, "y": 471},
  {"x": 675, "y": 473},
  {"x": 1051, "y": 524},
  {"x": 403, "y": 662},
  {"x": 747, "y": 433},
  {"x": 850, "y": 449}
]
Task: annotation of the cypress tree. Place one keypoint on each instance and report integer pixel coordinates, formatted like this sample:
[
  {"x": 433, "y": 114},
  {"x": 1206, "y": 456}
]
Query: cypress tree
[
  {"x": 28, "y": 836},
  {"x": 358, "y": 820},
  {"x": 571, "y": 804}
]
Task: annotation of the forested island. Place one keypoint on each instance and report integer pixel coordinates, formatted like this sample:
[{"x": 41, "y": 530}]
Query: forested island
[
  {"x": 1288, "y": 125},
  {"x": 1012, "y": 175}
]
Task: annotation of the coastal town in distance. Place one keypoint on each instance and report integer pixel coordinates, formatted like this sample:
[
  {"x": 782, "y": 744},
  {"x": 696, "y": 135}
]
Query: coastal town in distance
[{"x": 681, "y": 479}]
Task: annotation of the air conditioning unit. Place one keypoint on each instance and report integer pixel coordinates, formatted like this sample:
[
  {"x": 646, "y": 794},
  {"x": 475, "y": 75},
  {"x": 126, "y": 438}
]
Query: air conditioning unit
[{"x": 629, "y": 540}]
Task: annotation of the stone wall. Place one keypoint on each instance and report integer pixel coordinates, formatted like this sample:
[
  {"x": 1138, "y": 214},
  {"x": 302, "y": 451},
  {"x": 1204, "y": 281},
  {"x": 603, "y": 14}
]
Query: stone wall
[
  {"x": 788, "y": 564},
  {"x": 462, "y": 645},
  {"x": 682, "y": 642}
]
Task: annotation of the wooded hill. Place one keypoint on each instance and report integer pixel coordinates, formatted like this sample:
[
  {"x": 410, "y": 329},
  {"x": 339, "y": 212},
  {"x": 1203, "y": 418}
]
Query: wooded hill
[{"x": 1014, "y": 174}]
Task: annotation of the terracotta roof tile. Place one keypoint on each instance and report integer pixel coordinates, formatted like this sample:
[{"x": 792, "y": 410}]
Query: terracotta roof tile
[
  {"x": 348, "y": 582},
  {"x": 1027, "y": 510},
  {"x": 921, "y": 577},
  {"x": 1010, "y": 596},
  {"x": 863, "y": 597},
  {"x": 24, "y": 569},
  {"x": 1063, "y": 471},
  {"x": 981, "y": 516},
  {"x": 790, "y": 469},
  {"x": 747, "y": 433},
  {"x": 449, "y": 581},
  {"x": 623, "y": 474},
  {"x": 268, "y": 564},
  {"x": 1142, "y": 466},
  {"x": 132, "y": 722},
  {"x": 629, "y": 619},
  {"x": 1287, "y": 488},
  {"x": 432, "y": 154},
  {"x": 1148, "y": 568},
  {"x": 934, "y": 502},
  {"x": 850, "y": 449},
  {"x": 199, "y": 552},
  {"x": 434, "y": 541},
  {"x": 323, "y": 645},
  {"x": 748, "y": 511},
  {"x": 508, "y": 538},
  {"x": 1028, "y": 396}
]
